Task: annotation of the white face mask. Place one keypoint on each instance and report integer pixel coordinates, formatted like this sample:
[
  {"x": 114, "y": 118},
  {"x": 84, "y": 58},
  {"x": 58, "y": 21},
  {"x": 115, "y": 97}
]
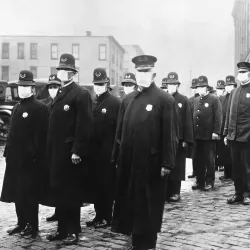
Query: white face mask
[
  {"x": 229, "y": 88},
  {"x": 172, "y": 88},
  {"x": 166, "y": 90},
  {"x": 202, "y": 91},
  {"x": 128, "y": 90},
  {"x": 53, "y": 92},
  {"x": 194, "y": 91},
  {"x": 144, "y": 79},
  {"x": 63, "y": 75},
  {"x": 25, "y": 92},
  {"x": 99, "y": 89},
  {"x": 243, "y": 77},
  {"x": 219, "y": 92}
]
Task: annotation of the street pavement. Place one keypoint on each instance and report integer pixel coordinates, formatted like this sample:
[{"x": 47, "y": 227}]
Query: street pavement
[{"x": 202, "y": 220}]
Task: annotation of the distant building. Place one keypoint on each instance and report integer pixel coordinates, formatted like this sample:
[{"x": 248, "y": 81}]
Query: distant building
[
  {"x": 241, "y": 15},
  {"x": 41, "y": 54},
  {"x": 130, "y": 52}
]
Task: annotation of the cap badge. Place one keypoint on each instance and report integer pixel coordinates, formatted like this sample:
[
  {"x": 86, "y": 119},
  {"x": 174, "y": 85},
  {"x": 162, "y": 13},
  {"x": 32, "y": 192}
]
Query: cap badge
[
  {"x": 201, "y": 80},
  {"x": 127, "y": 76},
  {"x": 228, "y": 79},
  {"x": 104, "y": 111},
  {"x": 248, "y": 95},
  {"x": 142, "y": 59},
  {"x": 98, "y": 74},
  {"x": 206, "y": 105},
  {"x": 23, "y": 76},
  {"x": 52, "y": 78},
  {"x": 66, "y": 107},
  {"x": 171, "y": 76},
  {"x": 25, "y": 114},
  {"x": 149, "y": 107},
  {"x": 64, "y": 59},
  {"x": 180, "y": 105}
]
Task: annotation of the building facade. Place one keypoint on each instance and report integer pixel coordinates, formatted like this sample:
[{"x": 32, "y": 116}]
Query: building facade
[
  {"x": 130, "y": 52},
  {"x": 241, "y": 15},
  {"x": 41, "y": 55}
]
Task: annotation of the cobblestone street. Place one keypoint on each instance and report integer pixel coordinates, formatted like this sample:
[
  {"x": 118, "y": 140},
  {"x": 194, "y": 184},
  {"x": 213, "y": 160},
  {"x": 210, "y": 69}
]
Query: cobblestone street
[{"x": 200, "y": 221}]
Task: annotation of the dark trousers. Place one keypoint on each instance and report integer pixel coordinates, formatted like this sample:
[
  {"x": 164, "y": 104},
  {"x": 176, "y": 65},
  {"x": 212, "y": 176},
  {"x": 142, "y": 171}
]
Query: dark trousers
[
  {"x": 27, "y": 212},
  {"x": 144, "y": 241},
  {"x": 173, "y": 187},
  {"x": 228, "y": 170},
  {"x": 240, "y": 153},
  {"x": 104, "y": 204},
  {"x": 68, "y": 220},
  {"x": 194, "y": 166},
  {"x": 206, "y": 153}
]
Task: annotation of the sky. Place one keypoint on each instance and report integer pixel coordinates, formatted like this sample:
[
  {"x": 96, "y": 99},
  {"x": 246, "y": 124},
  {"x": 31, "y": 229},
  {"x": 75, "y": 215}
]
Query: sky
[{"x": 190, "y": 37}]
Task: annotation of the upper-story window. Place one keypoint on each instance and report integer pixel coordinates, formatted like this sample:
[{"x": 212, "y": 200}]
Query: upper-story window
[
  {"x": 102, "y": 52},
  {"x": 5, "y": 51},
  {"x": 54, "y": 51},
  {"x": 75, "y": 50},
  {"x": 20, "y": 51},
  {"x": 33, "y": 51}
]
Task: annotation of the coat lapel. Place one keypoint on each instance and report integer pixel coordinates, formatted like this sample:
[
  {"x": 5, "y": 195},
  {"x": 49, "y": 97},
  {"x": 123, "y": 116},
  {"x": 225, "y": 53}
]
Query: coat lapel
[{"x": 100, "y": 100}]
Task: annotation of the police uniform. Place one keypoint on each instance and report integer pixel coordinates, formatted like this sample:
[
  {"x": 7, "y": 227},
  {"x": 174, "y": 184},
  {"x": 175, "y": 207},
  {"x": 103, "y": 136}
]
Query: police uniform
[
  {"x": 207, "y": 121},
  {"x": 220, "y": 143},
  {"x": 25, "y": 172},
  {"x": 186, "y": 139},
  {"x": 191, "y": 104},
  {"x": 148, "y": 142},
  {"x": 225, "y": 153},
  {"x": 237, "y": 131},
  {"x": 70, "y": 132},
  {"x": 105, "y": 111}
]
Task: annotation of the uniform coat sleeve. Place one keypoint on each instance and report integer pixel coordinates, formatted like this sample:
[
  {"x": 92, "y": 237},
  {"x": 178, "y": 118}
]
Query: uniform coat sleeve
[
  {"x": 84, "y": 125},
  {"x": 217, "y": 116},
  {"x": 170, "y": 135},
  {"x": 225, "y": 131},
  {"x": 188, "y": 133}
]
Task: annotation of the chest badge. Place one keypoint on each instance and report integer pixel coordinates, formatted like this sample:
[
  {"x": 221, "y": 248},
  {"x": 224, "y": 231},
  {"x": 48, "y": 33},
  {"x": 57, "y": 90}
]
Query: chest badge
[
  {"x": 25, "y": 115},
  {"x": 248, "y": 95},
  {"x": 66, "y": 107},
  {"x": 180, "y": 105},
  {"x": 104, "y": 111},
  {"x": 149, "y": 107},
  {"x": 206, "y": 105}
]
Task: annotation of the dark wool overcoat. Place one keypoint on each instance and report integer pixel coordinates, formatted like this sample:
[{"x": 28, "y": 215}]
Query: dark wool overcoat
[
  {"x": 148, "y": 139},
  {"x": 70, "y": 131},
  {"x": 26, "y": 171}
]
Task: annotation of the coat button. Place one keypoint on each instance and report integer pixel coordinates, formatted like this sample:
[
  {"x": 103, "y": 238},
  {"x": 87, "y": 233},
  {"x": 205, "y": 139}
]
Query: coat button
[
  {"x": 197, "y": 125},
  {"x": 198, "y": 110}
]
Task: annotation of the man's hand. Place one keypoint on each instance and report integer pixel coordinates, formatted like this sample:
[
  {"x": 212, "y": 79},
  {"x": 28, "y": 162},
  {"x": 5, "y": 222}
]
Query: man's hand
[
  {"x": 226, "y": 141},
  {"x": 184, "y": 145},
  {"x": 215, "y": 136},
  {"x": 75, "y": 159},
  {"x": 164, "y": 172}
]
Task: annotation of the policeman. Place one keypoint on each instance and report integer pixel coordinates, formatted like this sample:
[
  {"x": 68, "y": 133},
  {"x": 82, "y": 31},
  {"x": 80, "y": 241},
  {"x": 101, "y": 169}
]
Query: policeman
[
  {"x": 54, "y": 85},
  {"x": 148, "y": 141},
  {"x": 191, "y": 103},
  {"x": 226, "y": 154},
  {"x": 105, "y": 111},
  {"x": 186, "y": 137},
  {"x": 220, "y": 88},
  {"x": 25, "y": 153},
  {"x": 164, "y": 85},
  {"x": 237, "y": 132},
  {"x": 69, "y": 138},
  {"x": 207, "y": 128},
  {"x": 129, "y": 83}
]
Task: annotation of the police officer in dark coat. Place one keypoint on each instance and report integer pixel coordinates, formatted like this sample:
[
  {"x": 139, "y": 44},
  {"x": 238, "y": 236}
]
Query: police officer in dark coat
[
  {"x": 129, "y": 83},
  {"x": 186, "y": 138},
  {"x": 220, "y": 88},
  {"x": 207, "y": 128},
  {"x": 25, "y": 172},
  {"x": 237, "y": 132},
  {"x": 105, "y": 112},
  {"x": 191, "y": 103},
  {"x": 148, "y": 142},
  {"x": 69, "y": 137},
  {"x": 225, "y": 153}
]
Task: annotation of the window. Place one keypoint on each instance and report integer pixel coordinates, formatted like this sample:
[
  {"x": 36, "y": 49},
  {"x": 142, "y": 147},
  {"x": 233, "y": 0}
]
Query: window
[
  {"x": 33, "y": 51},
  {"x": 113, "y": 77},
  {"x": 121, "y": 64},
  {"x": 5, "y": 73},
  {"x": 113, "y": 55},
  {"x": 8, "y": 96},
  {"x": 20, "y": 51},
  {"x": 5, "y": 51},
  {"x": 120, "y": 80},
  {"x": 75, "y": 50},
  {"x": 116, "y": 82},
  {"x": 116, "y": 55},
  {"x": 53, "y": 70},
  {"x": 76, "y": 77},
  {"x": 33, "y": 69},
  {"x": 126, "y": 57},
  {"x": 102, "y": 52},
  {"x": 54, "y": 51}
]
